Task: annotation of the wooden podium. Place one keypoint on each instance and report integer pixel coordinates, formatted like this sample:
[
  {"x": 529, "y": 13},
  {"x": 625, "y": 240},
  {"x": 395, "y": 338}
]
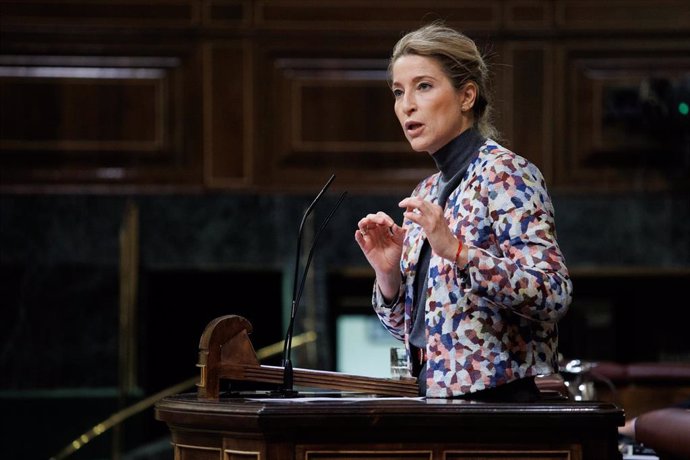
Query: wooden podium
[{"x": 353, "y": 425}]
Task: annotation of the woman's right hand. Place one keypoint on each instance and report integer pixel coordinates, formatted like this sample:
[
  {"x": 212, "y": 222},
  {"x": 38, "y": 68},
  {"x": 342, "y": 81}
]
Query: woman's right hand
[{"x": 381, "y": 241}]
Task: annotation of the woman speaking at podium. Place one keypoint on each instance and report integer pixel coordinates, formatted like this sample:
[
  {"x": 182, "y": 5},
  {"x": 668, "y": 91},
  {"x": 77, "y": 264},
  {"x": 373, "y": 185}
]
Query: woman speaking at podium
[{"x": 473, "y": 281}]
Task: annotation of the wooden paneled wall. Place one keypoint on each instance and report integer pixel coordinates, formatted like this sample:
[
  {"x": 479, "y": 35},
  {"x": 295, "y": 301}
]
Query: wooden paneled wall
[{"x": 277, "y": 94}]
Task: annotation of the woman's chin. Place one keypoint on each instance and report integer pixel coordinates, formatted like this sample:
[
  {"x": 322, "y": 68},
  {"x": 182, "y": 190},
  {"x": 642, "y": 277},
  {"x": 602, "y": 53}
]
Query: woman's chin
[{"x": 419, "y": 146}]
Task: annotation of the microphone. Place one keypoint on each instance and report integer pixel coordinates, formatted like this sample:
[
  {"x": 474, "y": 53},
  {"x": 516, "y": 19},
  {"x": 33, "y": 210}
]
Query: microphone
[{"x": 288, "y": 377}]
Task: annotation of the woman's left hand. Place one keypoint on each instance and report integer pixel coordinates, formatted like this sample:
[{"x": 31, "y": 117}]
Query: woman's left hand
[{"x": 430, "y": 217}]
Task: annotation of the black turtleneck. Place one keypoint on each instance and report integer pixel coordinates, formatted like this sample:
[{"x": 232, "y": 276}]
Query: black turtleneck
[{"x": 452, "y": 160}]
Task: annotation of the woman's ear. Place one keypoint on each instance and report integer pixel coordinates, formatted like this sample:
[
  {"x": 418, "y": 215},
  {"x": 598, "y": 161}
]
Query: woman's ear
[{"x": 468, "y": 96}]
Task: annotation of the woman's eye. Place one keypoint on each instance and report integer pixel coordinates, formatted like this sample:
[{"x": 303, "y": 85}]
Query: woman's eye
[
  {"x": 397, "y": 93},
  {"x": 424, "y": 86}
]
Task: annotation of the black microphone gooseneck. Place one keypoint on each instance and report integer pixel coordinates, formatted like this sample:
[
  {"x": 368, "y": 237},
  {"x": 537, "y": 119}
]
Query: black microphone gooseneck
[
  {"x": 288, "y": 377},
  {"x": 306, "y": 268}
]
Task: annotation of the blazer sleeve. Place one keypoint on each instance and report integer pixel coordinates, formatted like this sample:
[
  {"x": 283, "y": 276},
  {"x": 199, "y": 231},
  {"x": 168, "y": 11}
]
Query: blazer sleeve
[
  {"x": 526, "y": 270},
  {"x": 391, "y": 315}
]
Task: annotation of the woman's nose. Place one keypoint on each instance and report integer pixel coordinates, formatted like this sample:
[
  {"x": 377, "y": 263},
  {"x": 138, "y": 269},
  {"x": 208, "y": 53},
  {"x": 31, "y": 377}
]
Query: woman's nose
[{"x": 408, "y": 104}]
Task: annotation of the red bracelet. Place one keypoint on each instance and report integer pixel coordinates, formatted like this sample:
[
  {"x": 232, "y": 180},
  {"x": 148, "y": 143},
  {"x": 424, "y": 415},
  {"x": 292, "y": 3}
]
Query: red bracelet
[{"x": 457, "y": 254}]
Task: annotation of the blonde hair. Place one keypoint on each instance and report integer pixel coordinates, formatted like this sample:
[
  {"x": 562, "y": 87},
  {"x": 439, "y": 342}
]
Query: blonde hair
[{"x": 460, "y": 60}]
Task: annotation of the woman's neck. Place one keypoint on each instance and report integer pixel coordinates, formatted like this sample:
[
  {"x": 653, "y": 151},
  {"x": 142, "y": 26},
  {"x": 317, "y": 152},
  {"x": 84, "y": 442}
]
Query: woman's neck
[{"x": 455, "y": 155}]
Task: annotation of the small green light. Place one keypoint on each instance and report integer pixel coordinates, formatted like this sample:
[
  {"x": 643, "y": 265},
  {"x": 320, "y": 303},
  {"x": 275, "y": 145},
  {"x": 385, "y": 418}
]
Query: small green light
[{"x": 683, "y": 108}]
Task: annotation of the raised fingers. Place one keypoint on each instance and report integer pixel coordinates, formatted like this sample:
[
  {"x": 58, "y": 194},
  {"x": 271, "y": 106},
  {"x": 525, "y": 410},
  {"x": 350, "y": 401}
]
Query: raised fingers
[
  {"x": 412, "y": 203},
  {"x": 374, "y": 221}
]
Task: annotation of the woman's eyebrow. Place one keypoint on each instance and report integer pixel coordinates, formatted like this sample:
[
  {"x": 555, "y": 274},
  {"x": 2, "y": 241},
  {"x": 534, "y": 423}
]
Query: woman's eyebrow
[{"x": 415, "y": 79}]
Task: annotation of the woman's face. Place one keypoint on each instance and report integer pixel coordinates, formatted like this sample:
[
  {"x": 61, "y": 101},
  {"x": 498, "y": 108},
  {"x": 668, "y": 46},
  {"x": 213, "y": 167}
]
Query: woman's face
[{"x": 429, "y": 108}]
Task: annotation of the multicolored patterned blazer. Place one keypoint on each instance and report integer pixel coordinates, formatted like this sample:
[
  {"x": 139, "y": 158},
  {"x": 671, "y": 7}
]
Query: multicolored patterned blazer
[{"x": 493, "y": 320}]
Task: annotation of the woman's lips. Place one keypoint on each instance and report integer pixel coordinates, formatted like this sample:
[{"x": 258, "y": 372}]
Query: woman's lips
[{"x": 413, "y": 128}]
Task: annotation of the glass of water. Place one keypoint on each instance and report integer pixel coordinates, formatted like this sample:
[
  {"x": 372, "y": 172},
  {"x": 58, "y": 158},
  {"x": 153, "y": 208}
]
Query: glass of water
[{"x": 399, "y": 368}]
